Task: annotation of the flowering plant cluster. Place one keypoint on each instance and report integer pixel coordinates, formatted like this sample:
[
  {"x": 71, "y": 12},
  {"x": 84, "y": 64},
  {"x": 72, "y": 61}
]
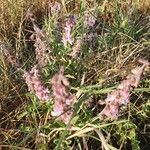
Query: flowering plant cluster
[
  {"x": 121, "y": 95},
  {"x": 61, "y": 69},
  {"x": 63, "y": 98}
]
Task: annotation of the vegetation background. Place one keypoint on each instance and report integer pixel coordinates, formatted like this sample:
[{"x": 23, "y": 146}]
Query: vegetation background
[{"x": 120, "y": 36}]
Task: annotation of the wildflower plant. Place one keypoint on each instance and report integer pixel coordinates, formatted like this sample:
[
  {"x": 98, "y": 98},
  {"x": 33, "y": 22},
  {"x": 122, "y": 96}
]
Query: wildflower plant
[{"x": 81, "y": 95}]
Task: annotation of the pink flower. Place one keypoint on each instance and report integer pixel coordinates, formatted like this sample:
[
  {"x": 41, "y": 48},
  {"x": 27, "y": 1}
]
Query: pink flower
[
  {"x": 112, "y": 96},
  {"x": 121, "y": 95},
  {"x": 67, "y": 38},
  {"x": 124, "y": 97},
  {"x": 66, "y": 116},
  {"x": 76, "y": 48},
  {"x": 42, "y": 46},
  {"x": 89, "y": 20},
  {"x": 63, "y": 99},
  {"x": 110, "y": 110},
  {"x": 35, "y": 85},
  {"x": 41, "y": 42},
  {"x": 58, "y": 109}
]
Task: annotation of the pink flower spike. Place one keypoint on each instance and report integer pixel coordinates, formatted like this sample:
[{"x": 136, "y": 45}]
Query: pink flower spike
[
  {"x": 63, "y": 99},
  {"x": 67, "y": 38},
  {"x": 35, "y": 85},
  {"x": 121, "y": 95}
]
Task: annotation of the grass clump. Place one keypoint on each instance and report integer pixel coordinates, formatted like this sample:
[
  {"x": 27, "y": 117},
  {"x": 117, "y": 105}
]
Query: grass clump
[{"x": 59, "y": 60}]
